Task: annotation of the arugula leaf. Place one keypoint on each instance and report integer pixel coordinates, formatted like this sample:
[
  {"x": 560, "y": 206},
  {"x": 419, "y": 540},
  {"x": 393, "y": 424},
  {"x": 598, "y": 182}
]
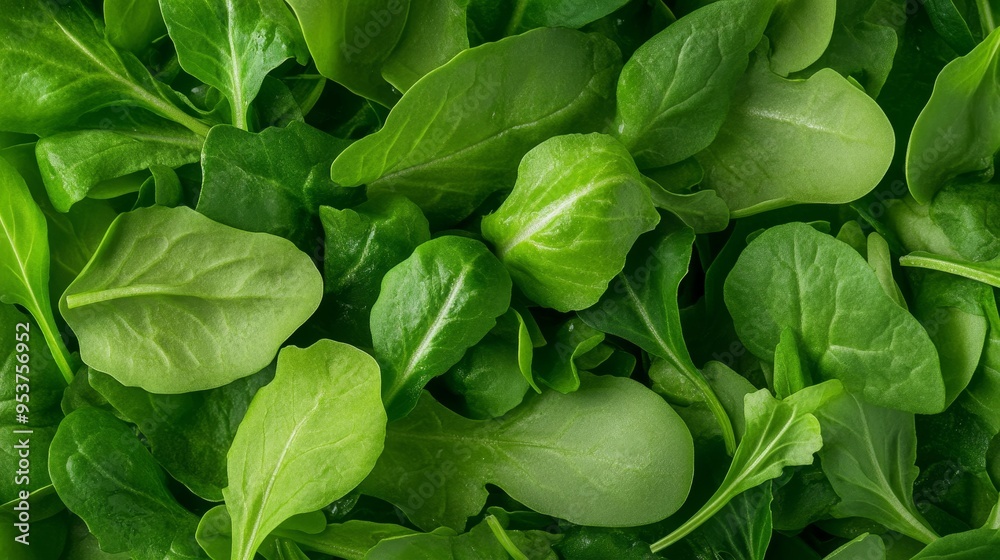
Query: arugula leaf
[
  {"x": 232, "y": 45},
  {"x": 784, "y": 142},
  {"x": 778, "y": 434},
  {"x": 24, "y": 261},
  {"x": 321, "y": 412},
  {"x": 641, "y": 307},
  {"x": 466, "y": 287},
  {"x": 794, "y": 276},
  {"x": 671, "y": 104},
  {"x": 194, "y": 302},
  {"x": 442, "y": 145},
  {"x": 741, "y": 530},
  {"x": 602, "y": 198},
  {"x": 67, "y": 68},
  {"x": 868, "y": 455},
  {"x": 95, "y": 454},
  {"x": 572, "y": 456}
]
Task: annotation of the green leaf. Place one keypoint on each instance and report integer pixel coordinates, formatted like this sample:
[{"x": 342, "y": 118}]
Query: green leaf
[
  {"x": 362, "y": 244},
  {"x": 799, "y": 32},
  {"x": 188, "y": 434},
  {"x": 350, "y": 540},
  {"x": 271, "y": 182},
  {"x": 778, "y": 434},
  {"x": 434, "y": 305},
  {"x": 67, "y": 68},
  {"x": 880, "y": 259},
  {"x": 860, "y": 48},
  {"x": 572, "y": 456},
  {"x": 559, "y": 362},
  {"x": 478, "y": 544},
  {"x": 531, "y": 14},
  {"x": 585, "y": 184},
  {"x": 419, "y": 50},
  {"x": 786, "y": 142},
  {"x": 24, "y": 261},
  {"x": 641, "y": 307},
  {"x": 215, "y": 532},
  {"x": 308, "y": 438},
  {"x": 790, "y": 374},
  {"x": 671, "y": 101},
  {"x": 740, "y": 531},
  {"x": 987, "y": 272},
  {"x": 39, "y": 379},
  {"x": 984, "y": 388},
  {"x": 74, "y": 163},
  {"x": 133, "y": 25},
  {"x": 173, "y": 302},
  {"x": 232, "y": 45},
  {"x": 970, "y": 545},
  {"x": 869, "y": 547},
  {"x": 794, "y": 276},
  {"x": 947, "y": 141},
  {"x": 443, "y": 145},
  {"x": 350, "y": 40},
  {"x": 106, "y": 476},
  {"x": 702, "y": 211},
  {"x": 869, "y": 456}
]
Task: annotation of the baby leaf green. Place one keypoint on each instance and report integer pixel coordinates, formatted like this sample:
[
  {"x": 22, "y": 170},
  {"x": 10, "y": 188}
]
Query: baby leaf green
[
  {"x": 24, "y": 260},
  {"x": 573, "y": 456},
  {"x": 173, "y": 302},
  {"x": 672, "y": 101},
  {"x": 232, "y": 45},
  {"x": 799, "y": 32},
  {"x": 433, "y": 306},
  {"x": 788, "y": 141},
  {"x": 418, "y": 52},
  {"x": 308, "y": 438},
  {"x": 95, "y": 454},
  {"x": 587, "y": 184},
  {"x": 794, "y": 276},
  {"x": 869, "y": 456},
  {"x": 458, "y": 134}
]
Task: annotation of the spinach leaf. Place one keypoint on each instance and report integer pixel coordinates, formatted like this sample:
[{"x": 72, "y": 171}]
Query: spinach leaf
[
  {"x": 133, "y": 25},
  {"x": 573, "y": 456},
  {"x": 702, "y": 211},
  {"x": 785, "y": 141},
  {"x": 188, "y": 434},
  {"x": 861, "y": 47},
  {"x": 478, "y": 544},
  {"x": 362, "y": 244},
  {"x": 671, "y": 103},
  {"x": 271, "y": 182},
  {"x": 799, "y": 32},
  {"x": 95, "y": 454},
  {"x": 322, "y": 412},
  {"x": 602, "y": 198},
  {"x": 73, "y": 164},
  {"x": 641, "y": 307},
  {"x": 867, "y": 546},
  {"x": 443, "y": 145},
  {"x": 24, "y": 261},
  {"x": 510, "y": 17},
  {"x": 778, "y": 434},
  {"x": 880, "y": 259},
  {"x": 984, "y": 388},
  {"x": 195, "y": 303},
  {"x": 970, "y": 545},
  {"x": 794, "y": 276},
  {"x": 947, "y": 140},
  {"x": 350, "y": 41},
  {"x": 350, "y": 540},
  {"x": 67, "y": 68},
  {"x": 466, "y": 287},
  {"x": 868, "y": 455},
  {"x": 418, "y": 51},
  {"x": 232, "y": 45},
  {"x": 987, "y": 272}
]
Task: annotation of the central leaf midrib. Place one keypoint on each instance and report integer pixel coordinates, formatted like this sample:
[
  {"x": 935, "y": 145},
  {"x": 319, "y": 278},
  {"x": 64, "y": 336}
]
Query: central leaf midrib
[{"x": 145, "y": 290}]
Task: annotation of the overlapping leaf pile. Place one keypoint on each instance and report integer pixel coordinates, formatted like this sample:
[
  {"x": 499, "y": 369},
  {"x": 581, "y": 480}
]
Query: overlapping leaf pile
[{"x": 477, "y": 279}]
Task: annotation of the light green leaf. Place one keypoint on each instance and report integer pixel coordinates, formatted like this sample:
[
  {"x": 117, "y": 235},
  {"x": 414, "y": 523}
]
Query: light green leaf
[
  {"x": 868, "y": 547},
  {"x": 641, "y": 306},
  {"x": 572, "y": 456},
  {"x": 433, "y": 306},
  {"x": 987, "y": 272},
  {"x": 675, "y": 91},
  {"x": 308, "y": 438},
  {"x": 784, "y": 142},
  {"x": 106, "y": 476},
  {"x": 799, "y": 32},
  {"x": 587, "y": 184},
  {"x": 24, "y": 261},
  {"x": 435, "y": 32},
  {"x": 702, "y": 211},
  {"x": 173, "y": 302},
  {"x": 977, "y": 544},
  {"x": 133, "y": 25},
  {"x": 879, "y": 258},
  {"x": 948, "y": 140},
  {"x": 794, "y": 276},
  {"x": 67, "y": 68},
  {"x": 869, "y": 456},
  {"x": 232, "y": 45},
  {"x": 455, "y": 137}
]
